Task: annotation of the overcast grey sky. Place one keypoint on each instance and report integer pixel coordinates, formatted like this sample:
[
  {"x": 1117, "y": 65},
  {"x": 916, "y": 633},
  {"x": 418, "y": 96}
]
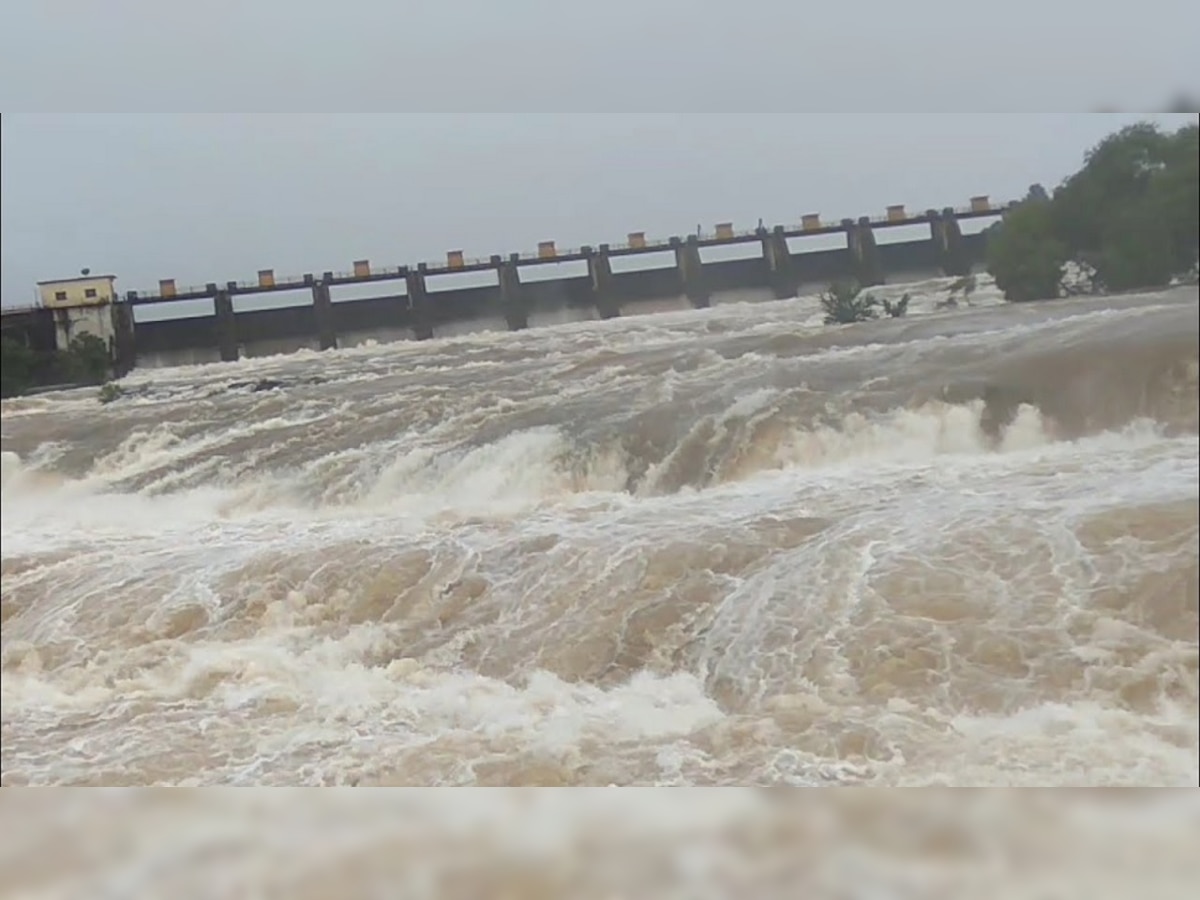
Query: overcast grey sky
[
  {"x": 216, "y": 197},
  {"x": 602, "y": 55},
  {"x": 581, "y": 154}
]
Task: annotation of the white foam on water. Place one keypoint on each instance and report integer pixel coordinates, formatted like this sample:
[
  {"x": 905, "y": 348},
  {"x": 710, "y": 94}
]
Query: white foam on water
[{"x": 460, "y": 562}]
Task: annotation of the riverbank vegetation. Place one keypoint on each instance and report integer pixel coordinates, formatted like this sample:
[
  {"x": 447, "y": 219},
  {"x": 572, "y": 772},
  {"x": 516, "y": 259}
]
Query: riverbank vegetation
[
  {"x": 845, "y": 303},
  {"x": 86, "y": 361},
  {"x": 1128, "y": 219}
]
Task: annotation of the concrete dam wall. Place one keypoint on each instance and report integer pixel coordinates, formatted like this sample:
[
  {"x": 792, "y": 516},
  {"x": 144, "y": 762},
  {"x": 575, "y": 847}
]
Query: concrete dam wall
[
  {"x": 179, "y": 326},
  {"x": 418, "y": 313}
]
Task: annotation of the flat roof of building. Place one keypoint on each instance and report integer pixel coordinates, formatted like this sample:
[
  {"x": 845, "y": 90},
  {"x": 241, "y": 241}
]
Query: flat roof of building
[{"x": 78, "y": 278}]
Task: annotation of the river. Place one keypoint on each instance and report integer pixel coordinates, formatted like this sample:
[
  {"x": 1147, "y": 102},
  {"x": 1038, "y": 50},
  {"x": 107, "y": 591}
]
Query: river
[{"x": 724, "y": 546}]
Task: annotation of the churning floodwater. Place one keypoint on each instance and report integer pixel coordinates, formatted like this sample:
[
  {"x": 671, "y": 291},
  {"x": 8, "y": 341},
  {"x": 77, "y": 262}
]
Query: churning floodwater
[{"x": 728, "y": 546}]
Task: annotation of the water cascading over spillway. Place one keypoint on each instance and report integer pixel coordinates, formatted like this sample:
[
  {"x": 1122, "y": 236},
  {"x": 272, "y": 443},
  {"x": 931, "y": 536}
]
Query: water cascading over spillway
[{"x": 706, "y": 547}]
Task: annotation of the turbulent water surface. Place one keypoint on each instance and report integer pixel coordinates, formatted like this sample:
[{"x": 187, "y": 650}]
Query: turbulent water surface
[{"x": 710, "y": 547}]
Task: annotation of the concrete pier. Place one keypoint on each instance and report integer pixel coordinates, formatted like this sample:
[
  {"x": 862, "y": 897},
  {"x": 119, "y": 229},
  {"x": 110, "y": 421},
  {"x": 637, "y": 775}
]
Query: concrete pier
[
  {"x": 227, "y": 338},
  {"x": 782, "y": 273},
  {"x": 420, "y": 315},
  {"x": 860, "y": 238},
  {"x": 949, "y": 247},
  {"x": 514, "y": 300},
  {"x": 124, "y": 341},
  {"x": 323, "y": 313},
  {"x": 600, "y": 274},
  {"x": 691, "y": 271}
]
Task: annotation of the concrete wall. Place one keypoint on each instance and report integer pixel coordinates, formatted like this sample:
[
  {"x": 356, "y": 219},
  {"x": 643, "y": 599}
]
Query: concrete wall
[
  {"x": 33, "y": 327},
  {"x": 73, "y": 322},
  {"x": 155, "y": 338}
]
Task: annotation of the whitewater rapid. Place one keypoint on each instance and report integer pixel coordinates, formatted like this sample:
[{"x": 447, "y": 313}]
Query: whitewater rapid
[{"x": 729, "y": 546}]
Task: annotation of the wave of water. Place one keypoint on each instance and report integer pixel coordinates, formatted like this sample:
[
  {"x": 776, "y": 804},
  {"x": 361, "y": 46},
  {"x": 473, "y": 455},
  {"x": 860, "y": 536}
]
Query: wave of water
[{"x": 722, "y": 546}]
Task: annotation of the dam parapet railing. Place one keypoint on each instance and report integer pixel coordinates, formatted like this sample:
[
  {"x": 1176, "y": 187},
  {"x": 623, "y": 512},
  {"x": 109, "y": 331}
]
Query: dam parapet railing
[{"x": 636, "y": 243}]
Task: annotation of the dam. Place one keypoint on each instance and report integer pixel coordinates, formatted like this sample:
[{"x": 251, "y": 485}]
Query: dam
[{"x": 500, "y": 292}]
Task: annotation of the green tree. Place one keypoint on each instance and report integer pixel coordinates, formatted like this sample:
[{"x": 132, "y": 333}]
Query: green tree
[
  {"x": 1131, "y": 215},
  {"x": 844, "y": 304},
  {"x": 1116, "y": 174},
  {"x": 1136, "y": 249},
  {"x": 1024, "y": 255},
  {"x": 1175, "y": 191},
  {"x": 87, "y": 360}
]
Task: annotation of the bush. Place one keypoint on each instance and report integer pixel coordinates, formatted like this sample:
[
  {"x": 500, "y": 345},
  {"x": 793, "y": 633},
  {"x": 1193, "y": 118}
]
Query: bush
[
  {"x": 844, "y": 304},
  {"x": 1131, "y": 216},
  {"x": 87, "y": 360},
  {"x": 110, "y": 392},
  {"x": 1024, "y": 255},
  {"x": 899, "y": 308}
]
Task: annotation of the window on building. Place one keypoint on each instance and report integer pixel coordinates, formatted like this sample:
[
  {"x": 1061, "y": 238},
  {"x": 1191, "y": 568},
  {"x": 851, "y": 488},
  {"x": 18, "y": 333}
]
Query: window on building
[
  {"x": 89, "y": 292},
  {"x": 60, "y": 295}
]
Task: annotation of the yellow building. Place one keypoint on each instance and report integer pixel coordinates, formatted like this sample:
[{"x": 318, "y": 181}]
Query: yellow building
[
  {"x": 85, "y": 290},
  {"x": 82, "y": 305}
]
